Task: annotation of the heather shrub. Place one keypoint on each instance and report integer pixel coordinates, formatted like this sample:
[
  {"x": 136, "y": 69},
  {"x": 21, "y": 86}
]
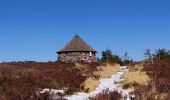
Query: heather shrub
[
  {"x": 21, "y": 80},
  {"x": 107, "y": 95},
  {"x": 159, "y": 73},
  {"x": 159, "y": 86}
]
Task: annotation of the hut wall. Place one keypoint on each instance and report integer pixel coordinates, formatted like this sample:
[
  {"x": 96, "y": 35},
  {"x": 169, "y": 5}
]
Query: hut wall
[{"x": 77, "y": 56}]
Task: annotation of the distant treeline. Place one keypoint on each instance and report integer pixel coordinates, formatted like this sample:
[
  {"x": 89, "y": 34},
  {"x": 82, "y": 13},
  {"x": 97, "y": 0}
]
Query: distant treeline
[{"x": 159, "y": 54}]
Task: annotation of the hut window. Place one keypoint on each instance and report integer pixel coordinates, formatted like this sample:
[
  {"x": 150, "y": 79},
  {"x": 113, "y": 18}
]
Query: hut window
[{"x": 90, "y": 53}]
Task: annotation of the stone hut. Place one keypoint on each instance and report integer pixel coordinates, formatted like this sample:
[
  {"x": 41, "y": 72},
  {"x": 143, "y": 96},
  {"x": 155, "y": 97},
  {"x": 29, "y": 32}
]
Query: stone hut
[{"x": 77, "y": 50}]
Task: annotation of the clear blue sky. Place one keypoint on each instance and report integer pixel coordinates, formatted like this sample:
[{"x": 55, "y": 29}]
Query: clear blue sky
[{"x": 36, "y": 29}]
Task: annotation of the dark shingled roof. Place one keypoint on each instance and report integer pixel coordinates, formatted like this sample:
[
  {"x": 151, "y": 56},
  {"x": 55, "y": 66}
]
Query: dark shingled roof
[{"x": 76, "y": 44}]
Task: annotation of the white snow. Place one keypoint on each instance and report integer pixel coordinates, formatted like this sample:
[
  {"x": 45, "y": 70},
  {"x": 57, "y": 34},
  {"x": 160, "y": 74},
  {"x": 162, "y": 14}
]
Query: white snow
[
  {"x": 105, "y": 83},
  {"x": 52, "y": 91}
]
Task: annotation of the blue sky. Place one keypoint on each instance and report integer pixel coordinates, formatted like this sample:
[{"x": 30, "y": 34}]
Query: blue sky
[{"x": 35, "y": 29}]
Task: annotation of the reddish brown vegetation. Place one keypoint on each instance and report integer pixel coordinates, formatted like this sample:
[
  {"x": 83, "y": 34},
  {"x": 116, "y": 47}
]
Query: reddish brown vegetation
[
  {"x": 106, "y": 95},
  {"x": 21, "y": 80},
  {"x": 159, "y": 86},
  {"x": 160, "y": 74}
]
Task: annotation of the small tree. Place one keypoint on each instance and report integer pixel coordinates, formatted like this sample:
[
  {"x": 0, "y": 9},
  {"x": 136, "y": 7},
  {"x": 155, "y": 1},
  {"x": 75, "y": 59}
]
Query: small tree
[
  {"x": 148, "y": 55},
  {"x": 162, "y": 54},
  {"x": 126, "y": 56},
  {"x": 126, "y": 59},
  {"x": 117, "y": 59},
  {"x": 107, "y": 56}
]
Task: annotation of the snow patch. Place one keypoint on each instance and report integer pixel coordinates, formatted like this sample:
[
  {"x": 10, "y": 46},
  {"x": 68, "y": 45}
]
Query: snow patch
[
  {"x": 104, "y": 83},
  {"x": 52, "y": 91}
]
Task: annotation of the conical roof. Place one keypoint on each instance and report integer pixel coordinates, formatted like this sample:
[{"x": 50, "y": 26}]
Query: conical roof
[{"x": 76, "y": 44}]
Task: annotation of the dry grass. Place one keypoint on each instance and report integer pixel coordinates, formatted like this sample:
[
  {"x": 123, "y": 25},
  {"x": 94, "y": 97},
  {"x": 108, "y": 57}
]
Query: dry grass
[
  {"x": 135, "y": 75},
  {"x": 102, "y": 72},
  {"x": 162, "y": 96},
  {"x": 90, "y": 84},
  {"x": 106, "y": 71},
  {"x": 136, "y": 67}
]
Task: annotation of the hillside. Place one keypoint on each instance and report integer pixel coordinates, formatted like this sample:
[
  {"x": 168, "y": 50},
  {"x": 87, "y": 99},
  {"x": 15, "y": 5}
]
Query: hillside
[{"x": 42, "y": 81}]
